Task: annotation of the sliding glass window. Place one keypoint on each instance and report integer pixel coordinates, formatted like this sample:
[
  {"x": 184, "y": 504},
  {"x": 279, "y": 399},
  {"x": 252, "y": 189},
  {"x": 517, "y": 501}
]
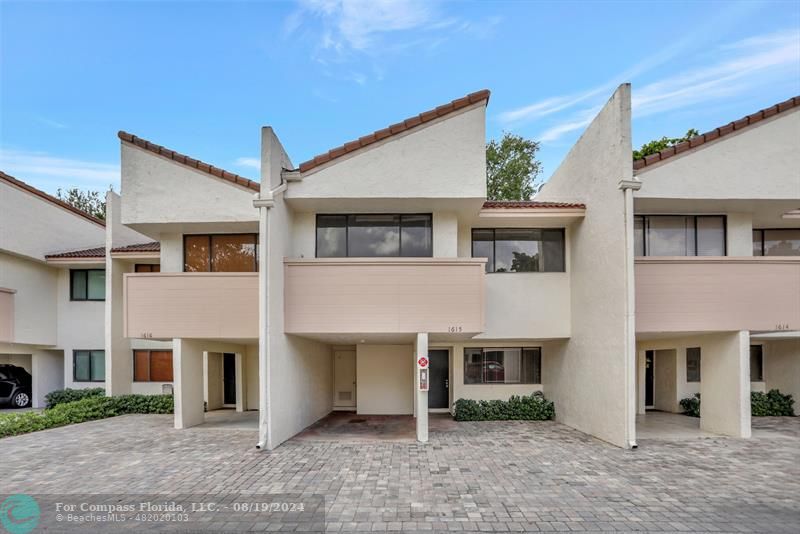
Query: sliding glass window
[
  {"x": 374, "y": 235},
  {"x": 776, "y": 242},
  {"x": 519, "y": 250},
  {"x": 517, "y": 365},
  {"x": 227, "y": 253},
  {"x": 679, "y": 235}
]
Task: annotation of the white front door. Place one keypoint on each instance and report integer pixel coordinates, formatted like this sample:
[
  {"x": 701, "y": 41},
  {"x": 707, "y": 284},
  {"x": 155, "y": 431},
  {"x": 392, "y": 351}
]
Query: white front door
[{"x": 344, "y": 379}]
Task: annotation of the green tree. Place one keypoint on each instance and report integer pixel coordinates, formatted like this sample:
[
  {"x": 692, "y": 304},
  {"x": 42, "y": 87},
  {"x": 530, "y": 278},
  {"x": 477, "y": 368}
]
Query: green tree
[
  {"x": 657, "y": 145},
  {"x": 92, "y": 202},
  {"x": 512, "y": 168}
]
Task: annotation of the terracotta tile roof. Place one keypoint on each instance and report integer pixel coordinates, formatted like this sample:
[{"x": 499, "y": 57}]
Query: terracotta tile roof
[
  {"x": 395, "y": 129},
  {"x": 96, "y": 252},
  {"x": 716, "y": 133},
  {"x": 527, "y": 204},
  {"x": 152, "y": 246},
  {"x": 190, "y": 162},
  {"x": 49, "y": 198}
]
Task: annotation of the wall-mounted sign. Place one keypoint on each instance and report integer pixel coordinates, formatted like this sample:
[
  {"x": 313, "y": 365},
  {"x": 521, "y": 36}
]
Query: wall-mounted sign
[{"x": 423, "y": 361}]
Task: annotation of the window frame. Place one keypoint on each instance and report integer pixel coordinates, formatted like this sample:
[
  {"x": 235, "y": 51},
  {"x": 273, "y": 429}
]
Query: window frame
[
  {"x": 75, "y": 365},
  {"x": 494, "y": 248},
  {"x": 150, "y": 366},
  {"x": 149, "y": 265},
  {"x": 764, "y": 240},
  {"x": 72, "y": 283},
  {"x": 699, "y": 365},
  {"x": 483, "y": 349},
  {"x": 646, "y": 227},
  {"x": 761, "y": 363},
  {"x": 347, "y": 233},
  {"x": 211, "y": 255}
]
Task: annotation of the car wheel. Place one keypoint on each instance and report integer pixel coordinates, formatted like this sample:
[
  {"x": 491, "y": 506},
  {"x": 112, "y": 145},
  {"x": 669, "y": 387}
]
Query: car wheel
[{"x": 21, "y": 400}]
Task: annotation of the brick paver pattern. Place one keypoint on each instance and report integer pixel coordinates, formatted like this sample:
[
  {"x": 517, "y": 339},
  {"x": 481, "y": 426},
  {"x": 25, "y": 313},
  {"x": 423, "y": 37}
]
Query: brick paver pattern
[{"x": 484, "y": 477}]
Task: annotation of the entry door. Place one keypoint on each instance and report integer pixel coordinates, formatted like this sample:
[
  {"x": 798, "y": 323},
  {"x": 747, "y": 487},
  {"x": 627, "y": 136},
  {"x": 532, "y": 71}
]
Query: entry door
[
  {"x": 649, "y": 375},
  {"x": 344, "y": 379},
  {"x": 439, "y": 378},
  {"x": 229, "y": 379}
]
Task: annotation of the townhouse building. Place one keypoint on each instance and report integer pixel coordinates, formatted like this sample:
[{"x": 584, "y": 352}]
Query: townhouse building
[
  {"x": 621, "y": 287},
  {"x": 51, "y": 299}
]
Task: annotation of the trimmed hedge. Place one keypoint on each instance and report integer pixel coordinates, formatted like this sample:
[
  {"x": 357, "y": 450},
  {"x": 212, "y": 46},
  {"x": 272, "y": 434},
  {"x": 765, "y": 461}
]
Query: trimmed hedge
[
  {"x": 87, "y": 409},
  {"x": 773, "y": 403},
  {"x": 61, "y": 396},
  {"x": 528, "y": 407}
]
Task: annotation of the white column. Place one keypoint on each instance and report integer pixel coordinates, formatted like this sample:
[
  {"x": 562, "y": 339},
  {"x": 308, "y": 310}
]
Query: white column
[
  {"x": 264, "y": 405},
  {"x": 240, "y": 385},
  {"x": 725, "y": 384},
  {"x": 187, "y": 363},
  {"x": 421, "y": 346}
]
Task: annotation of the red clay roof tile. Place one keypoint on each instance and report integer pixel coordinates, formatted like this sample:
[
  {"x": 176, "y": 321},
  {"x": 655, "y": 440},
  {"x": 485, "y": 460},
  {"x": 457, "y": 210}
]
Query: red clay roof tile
[
  {"x": 96, "y": 252},
  {"x": 190, "y": 162},
  {"x": 527, "y": 204},
  {"x": 394, "y": 129},
  {"x": 49, "y": 198},
  {"x": 152, "y": 246},
  {"x": 716, "y": 133}
]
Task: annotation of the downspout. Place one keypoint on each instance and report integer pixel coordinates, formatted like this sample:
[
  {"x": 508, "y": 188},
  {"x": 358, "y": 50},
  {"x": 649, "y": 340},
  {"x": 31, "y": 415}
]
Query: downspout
[
  {"x": 263, "y": 203},
  {"x": 628, "y": 187}
]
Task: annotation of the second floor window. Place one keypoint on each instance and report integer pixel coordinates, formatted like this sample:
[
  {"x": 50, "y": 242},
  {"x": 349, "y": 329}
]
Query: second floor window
[
  {"x": 519, "y": 250},
  {"x": 679, "y": 235},
  {"x": 147, "y": 268},
  {"x": 87, "y": 284},
  {"x": 371, "y": 236},
  {"x": 222, "y": 253},
  {"x": 778, "y": 242}
]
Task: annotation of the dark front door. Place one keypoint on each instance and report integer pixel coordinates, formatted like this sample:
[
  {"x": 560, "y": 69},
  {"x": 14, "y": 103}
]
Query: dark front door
[
  {"x": 649, "y": 369},
  {"x": 439, "y": 389},
  {"x": 229, "y": 379}
]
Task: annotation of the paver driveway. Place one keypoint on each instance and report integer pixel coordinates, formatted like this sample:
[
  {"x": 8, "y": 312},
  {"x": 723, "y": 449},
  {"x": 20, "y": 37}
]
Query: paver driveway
[{"x": 515, "y": 476}]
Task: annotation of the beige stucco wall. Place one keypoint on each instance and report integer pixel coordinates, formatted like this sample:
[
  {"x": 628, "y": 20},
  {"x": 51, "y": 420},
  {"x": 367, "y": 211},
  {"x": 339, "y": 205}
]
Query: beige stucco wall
[
  {"x": 212, "y": 380},
  {"x": 441, "y": 159},
  {"x": 151, "y": 184},
  {"x": 725, "y": 384},
  {"x": 80, "y": 327},
  {"x": 760, "y": 162},
  {"x": 782, "y": 367},
  {"x": 384, "y": 379},
  {"x": 665, "y": 381},
  {"x": 35, "y": 302},
  {"x": 599, "y": 345}
]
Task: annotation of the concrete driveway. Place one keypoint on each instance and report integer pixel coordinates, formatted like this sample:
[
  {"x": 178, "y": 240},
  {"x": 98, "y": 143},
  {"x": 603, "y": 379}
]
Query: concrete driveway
[{"x": 493, "y": 476}]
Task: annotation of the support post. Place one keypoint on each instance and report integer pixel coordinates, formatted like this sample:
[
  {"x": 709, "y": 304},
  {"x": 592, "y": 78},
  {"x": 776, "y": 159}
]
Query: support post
[
  {"x": 240, "y": 385},
  {"x": 725, "y": 384},
  {"x": 421, "y": 396},
  {"x": 187, "y": 362}
]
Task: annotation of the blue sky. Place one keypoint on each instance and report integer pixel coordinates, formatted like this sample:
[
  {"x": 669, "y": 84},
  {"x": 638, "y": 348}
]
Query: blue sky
[{"x": 203, "y": 77}]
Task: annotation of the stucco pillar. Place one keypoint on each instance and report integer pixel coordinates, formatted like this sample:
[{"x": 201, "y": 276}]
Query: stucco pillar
[
  {"x": 725, "y": 384},
  {"x": 187, "y": 363},
  {"x": 421, "y": 349},
  {"x": 240, "y": 385}
]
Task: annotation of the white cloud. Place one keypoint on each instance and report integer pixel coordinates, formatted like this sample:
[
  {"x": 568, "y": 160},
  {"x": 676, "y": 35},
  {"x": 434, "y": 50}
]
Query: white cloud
[
  {"x": 253, "y": 163},
  {"x": 49, "y": 172},
  {"x": 728, "y": 70}
]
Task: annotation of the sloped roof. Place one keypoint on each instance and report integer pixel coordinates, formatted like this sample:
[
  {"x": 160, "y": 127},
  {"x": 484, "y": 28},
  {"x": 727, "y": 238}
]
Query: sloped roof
[
  {"x": 530, "y": 204},
  {"x": 96, "y": 252},
  {"x": 716, "y": 133},
  {"x": 49, "y": 198},
  {"x": 189, "y": 161},
  {"x": 394, "y": 129},
  {"x": 152, "y": 246}
]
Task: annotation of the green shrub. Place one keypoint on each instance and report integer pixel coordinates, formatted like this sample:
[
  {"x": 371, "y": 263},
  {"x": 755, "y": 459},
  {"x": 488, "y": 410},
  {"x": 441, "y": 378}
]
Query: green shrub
[
  {"x": 770, "y": 404},
  {"x": 528, "y": 407},
  {"x": 773, "y": 403},
  {"x": 60, "y": 396},
  {"x": 691, "y": 405},
  {"x": 88, "y": 408}
]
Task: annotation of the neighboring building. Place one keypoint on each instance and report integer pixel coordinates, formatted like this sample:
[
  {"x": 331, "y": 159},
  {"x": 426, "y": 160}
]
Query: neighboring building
[
  {"x": 321, "y": 287},
  {"x": 717, "y": 245},
  {"x": 52, "y": 288}
]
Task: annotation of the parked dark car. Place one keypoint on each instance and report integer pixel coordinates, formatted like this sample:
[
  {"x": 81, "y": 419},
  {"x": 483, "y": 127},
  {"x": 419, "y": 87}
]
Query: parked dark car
[{"x": 15, "y": 386}]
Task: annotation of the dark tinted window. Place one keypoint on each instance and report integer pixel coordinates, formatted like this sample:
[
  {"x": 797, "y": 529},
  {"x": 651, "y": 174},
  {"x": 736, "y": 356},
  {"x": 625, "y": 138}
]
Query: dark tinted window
[
  {"x": 227, "y": 253},
  {"x": 679, "y": 235},
  {"x": 374, "y": 235},
  {"x": 515, "y": 250},
  {"x": 514, "y": 365},
  {"x": 332, "y": 236},
  {"x": 693, "y": 364},
  {"x": 88, "y": 284},
  {"x": 371, "y": 236},
  {"x": 756, "y": 363}
]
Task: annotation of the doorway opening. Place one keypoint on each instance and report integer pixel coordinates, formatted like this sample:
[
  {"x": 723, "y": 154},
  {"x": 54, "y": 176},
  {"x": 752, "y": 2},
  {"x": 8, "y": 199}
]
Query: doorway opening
[
  {"x": 649, "y": 380},
  {"x": 229, "y": 380},
  {"x": 344, "y": 380},
  {"x": 439, "y": 380}
]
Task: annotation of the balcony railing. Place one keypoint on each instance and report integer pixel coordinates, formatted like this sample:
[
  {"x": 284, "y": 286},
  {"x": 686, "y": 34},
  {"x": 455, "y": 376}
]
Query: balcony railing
[
  {"x": 191, "y": 305},
  {"x": 695, "y": 294},
  {"x": 384, "y": 295}
]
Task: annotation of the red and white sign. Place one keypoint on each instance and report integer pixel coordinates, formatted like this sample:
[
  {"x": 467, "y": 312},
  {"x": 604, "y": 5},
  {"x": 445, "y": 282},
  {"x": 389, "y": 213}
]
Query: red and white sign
[{"x": 423, "y": 362}]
